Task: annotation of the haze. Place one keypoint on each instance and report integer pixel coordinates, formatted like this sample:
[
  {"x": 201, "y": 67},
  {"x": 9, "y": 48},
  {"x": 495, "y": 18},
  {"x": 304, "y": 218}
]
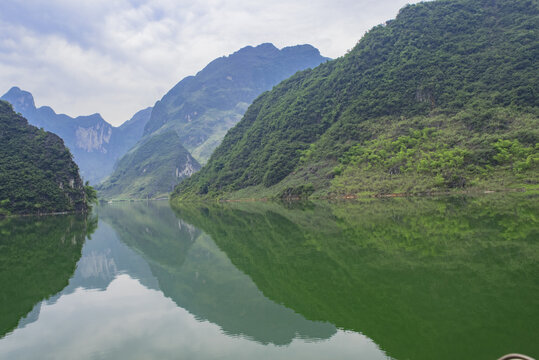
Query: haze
[{"x": 117, "y": 57}]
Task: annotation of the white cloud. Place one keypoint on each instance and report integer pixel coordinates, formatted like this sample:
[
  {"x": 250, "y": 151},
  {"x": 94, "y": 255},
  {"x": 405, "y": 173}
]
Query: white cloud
[{"x": 117, "y": 57}]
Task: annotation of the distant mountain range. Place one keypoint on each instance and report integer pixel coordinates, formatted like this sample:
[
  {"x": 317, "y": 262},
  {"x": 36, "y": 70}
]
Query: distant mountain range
[
  {"x": 200, "y": 109},
  {"x": 94, "y": 143}
]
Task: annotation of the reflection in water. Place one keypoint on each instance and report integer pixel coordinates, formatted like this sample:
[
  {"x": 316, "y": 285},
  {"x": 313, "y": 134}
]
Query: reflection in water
[
  {"x": 37, "y": 257},
  {"x": 198, "y": 277},
  {"x": 424, "y": 278},
  {"x": 151, "y": 285}
]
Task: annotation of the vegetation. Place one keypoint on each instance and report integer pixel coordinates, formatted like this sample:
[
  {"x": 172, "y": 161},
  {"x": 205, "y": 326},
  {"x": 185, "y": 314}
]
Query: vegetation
[
  {"x": 431, "y": 101},
  {"x": 90, "y": 193},
  {"x": 440, "y": 154},
  {"x": 199, "y": 110},
  {"x": 37, "y": 258},
  {"x": 202, "y": 108},
  {"x": 37, "y": 172},
  {"x": 94, "y": 143},
  {"x": 150, "y": 169},
  {"x": 416, "y": 275}
]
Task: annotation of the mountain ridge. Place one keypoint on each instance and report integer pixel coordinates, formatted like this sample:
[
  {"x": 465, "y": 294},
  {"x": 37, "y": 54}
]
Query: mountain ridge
[
  {"x": 201, "y": 108},
  {"x": 456, "y": 71},
  {"x": 207, "y": 104},
  {"x": 94, "y": 142}
]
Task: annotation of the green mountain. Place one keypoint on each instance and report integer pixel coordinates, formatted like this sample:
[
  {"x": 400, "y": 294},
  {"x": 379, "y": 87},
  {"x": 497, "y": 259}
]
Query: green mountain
[
  {"x": 94, "y": 143},
  {"x": 37, "y": 172},
  {"x": 200, "y": 109},
  {"x": 151, "y": 169},
  {"x": 443, "y": 97},
  {"x": 203, "y": 107},
  {"x": 423, "y": 277}
]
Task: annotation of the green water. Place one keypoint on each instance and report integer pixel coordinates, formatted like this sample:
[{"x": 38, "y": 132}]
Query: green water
[{"x": 422, "y": 278}]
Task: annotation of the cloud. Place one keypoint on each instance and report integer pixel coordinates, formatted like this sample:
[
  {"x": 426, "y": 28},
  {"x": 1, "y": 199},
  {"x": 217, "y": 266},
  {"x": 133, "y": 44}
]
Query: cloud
[{"x": 116, "y": 57}]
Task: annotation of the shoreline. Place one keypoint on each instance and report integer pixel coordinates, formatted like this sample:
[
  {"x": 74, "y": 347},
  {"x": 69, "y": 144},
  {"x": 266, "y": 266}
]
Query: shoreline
[
  {"x": 2, "y": 216},
  {"x": 379, "y": 196}
]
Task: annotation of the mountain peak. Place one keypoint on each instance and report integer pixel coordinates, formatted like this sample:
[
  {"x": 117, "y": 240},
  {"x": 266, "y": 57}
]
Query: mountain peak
[
  {"x": 303, "y": 49},
  {"x": 21, "y": 100},
  {"x": 265, "y": 48}
]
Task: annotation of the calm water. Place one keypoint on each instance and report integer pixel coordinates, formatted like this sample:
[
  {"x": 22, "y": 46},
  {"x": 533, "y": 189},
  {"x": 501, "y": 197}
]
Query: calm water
[{"x": 447, "y": 278}]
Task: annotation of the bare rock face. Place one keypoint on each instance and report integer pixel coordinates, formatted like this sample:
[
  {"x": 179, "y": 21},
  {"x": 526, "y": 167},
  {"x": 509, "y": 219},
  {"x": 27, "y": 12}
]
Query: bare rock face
[
  {"x": 94, "y": 138},
  {"x": 189, "y": 168}
]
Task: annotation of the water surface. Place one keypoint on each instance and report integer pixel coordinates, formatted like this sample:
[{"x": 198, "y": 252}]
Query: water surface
[{"x": 444, "y": 278}]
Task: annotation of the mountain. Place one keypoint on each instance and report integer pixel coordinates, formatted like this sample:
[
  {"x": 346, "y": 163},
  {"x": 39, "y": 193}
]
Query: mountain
[
  {"x": 151, "y": 169},
  {"x": 443, "y": 97},
  {"x": 95, "y": 144},
  {"x": 37, "y": 172},
  {"x": 202, "y": 108}
]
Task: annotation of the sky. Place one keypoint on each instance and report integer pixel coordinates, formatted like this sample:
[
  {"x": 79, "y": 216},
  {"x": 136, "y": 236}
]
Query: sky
[{"x": 115, "y": 57}]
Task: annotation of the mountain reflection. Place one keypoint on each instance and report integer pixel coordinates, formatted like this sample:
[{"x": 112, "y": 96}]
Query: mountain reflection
[
  {"x": 38, "y": 255},
  {"x": 444, "y": 278},
  {"x": 198, "y": 277},
  {"x": 429, "y": 278}
]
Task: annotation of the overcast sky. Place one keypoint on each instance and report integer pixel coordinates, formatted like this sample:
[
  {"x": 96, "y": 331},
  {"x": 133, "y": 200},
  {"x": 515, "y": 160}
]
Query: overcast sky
[{"x": 116, "y": 57}]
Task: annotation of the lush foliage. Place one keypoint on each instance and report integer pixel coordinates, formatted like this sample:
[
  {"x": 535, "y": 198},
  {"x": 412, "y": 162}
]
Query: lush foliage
[
  {"x": 416, "y": 275},
  {"x": 37, "y": 172},
  {"x": 150, "y": 169},
  {"x": 90, "y": 193},
  {"x": 465, "y": 67},
  {"x": 440, "y": 153}
]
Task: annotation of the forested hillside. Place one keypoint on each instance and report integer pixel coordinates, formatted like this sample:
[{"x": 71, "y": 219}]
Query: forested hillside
[
  {"x": 151, "y": 169},
  {"x": 199, "y": 110},
  {"x": 443, "y": 97},
  {"x": 37, "y": 172}
]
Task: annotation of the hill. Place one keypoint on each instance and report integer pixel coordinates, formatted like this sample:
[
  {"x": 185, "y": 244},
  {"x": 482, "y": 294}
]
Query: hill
[
  {"x": 203, "y": 107},
  {"x": 200, "y": 109},
  {"x": 150, "y": 170},
  {"x": 37, "y": 172},
  {"x": 443, "y": 97},
  {"x": 94, "y": 143}
]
